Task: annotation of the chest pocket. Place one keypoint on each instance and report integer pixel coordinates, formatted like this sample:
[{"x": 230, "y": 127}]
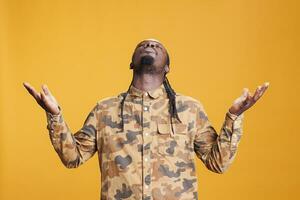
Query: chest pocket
[{"x": 175, "y": 144}]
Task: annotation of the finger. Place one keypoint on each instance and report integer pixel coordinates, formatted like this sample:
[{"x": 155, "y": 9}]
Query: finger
[
  {"x": 247, "y": 100},
  {"x": 257, "y": 93},
  {"x": 39, "y": 96},
  {"x": 28, "y": 87},
  {"x": 43, "y": 96},
  {"x": 41, "y": 100},
  {"x": 45, "y": 89},
  {"x": 264, "y": 88},
  {"x": 246, "y": 94},
  {"x": 262, "y": 92},
  {"x": 242, "y": 97},
  {"x": 32, "y": 91},
  {"x": 266, "y": 84}
]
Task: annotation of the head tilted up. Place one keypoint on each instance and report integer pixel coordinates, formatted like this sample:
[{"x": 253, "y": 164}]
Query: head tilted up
[{"x": 150, "y": 58}]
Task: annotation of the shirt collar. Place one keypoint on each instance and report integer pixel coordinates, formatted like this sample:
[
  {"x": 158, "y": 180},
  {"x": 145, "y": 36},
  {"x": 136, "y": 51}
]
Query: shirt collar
[{"x": 155, "y": 93}]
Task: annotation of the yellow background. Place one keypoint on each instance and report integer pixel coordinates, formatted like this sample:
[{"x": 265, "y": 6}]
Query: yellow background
[{"x": 82, "y": 51}]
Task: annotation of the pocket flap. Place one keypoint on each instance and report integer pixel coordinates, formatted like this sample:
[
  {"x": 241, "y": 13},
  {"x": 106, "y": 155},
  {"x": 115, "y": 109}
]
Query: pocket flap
[
  {"x": 163, "y": 128},
  {"x": 180, "y": 128},
  {"x": 167, "y": 129}
]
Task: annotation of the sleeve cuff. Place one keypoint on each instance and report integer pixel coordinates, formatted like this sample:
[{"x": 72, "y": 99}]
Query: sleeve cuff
[
  {"x": 234, "y": 121},
  {"x": 232, "y": 116},
  {"x": 53, "y": 119}
]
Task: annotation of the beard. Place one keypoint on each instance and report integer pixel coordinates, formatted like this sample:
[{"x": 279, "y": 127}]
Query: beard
[
  {"x": 147, "y": 60},
  {"x": 146, "y": 65}
]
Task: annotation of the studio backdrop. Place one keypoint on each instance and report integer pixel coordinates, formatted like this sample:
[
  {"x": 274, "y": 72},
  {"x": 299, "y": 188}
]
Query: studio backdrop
[{"x": 82, "y": 51}]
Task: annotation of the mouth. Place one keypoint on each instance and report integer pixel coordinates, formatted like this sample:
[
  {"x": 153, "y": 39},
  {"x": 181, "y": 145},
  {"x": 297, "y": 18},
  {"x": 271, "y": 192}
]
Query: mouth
[{"x": 149, "y": 50}]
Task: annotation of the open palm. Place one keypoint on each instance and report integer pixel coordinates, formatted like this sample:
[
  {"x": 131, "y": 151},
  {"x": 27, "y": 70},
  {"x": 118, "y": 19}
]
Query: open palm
[
  {"x": 45, "y": 99},
  {"x": 245, "y": 101}
]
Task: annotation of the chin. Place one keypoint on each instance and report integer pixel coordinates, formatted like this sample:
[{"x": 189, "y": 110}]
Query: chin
[{"x": 147, "y": 60}]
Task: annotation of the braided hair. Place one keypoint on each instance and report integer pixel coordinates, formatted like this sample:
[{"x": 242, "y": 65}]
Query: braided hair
[
  {"x": 122, "y": 105},
  {"x": 172, "y": 103},
  {"x": 171, "y": 96}
]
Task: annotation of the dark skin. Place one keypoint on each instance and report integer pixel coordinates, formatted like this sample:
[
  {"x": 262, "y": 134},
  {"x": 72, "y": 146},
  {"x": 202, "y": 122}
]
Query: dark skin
[{"x": 147, "y": 77}]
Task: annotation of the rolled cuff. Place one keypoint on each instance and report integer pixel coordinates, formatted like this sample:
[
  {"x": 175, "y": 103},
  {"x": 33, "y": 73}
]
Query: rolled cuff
[
  {"x": 53, "y": 120},
  {"x": 233, "y": 121}
]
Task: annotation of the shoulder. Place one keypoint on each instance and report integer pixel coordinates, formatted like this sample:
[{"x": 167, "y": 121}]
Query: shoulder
[
  {"x": 188, "y": 101},
  {"x": 191, "y": 104},
  {"x": 109, "y": 102}
]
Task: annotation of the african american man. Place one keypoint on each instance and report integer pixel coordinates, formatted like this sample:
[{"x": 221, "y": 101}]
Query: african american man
[{"x": 146, "y": 138}]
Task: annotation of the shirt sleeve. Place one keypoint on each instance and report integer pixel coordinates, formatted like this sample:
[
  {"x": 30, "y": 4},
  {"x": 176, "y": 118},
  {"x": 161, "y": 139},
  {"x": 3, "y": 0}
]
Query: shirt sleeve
[
  {"x": 73, "y": 149},
  {"x": 217, "y": 151}
]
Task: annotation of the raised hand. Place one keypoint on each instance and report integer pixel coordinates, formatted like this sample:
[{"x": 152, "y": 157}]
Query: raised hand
[
  {"x": 45, "y": 99},
  {"x": 245, "y": 101}
]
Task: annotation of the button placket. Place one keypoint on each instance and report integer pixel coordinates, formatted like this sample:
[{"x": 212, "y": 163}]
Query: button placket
[
  {"x": 234, "y": 139},
  {"x": 146, "y": 141}
]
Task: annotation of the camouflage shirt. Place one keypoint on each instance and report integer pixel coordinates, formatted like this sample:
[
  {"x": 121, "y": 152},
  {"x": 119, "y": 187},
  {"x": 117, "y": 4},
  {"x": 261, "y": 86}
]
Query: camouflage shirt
[{"x": 146, "y": 159}]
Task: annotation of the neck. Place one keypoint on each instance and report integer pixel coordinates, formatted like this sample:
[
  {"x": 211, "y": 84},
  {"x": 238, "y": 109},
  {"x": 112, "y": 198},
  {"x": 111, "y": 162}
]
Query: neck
[{"x": 147, "y": 82}]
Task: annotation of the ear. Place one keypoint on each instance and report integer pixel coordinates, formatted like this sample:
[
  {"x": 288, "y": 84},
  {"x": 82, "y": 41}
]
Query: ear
[
  {"x": 131, "y": 65},
  {"x": 166, "y": 68}
]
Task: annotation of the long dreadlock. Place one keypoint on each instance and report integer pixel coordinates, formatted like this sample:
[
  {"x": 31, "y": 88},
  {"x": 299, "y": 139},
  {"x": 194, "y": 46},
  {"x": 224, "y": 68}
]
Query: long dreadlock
[
  {"x": 122, "y": 105},
  {"x": 172, "y": 103},
  {"x": 172, "y": 99},
  {"x": 171, "y": 96}
]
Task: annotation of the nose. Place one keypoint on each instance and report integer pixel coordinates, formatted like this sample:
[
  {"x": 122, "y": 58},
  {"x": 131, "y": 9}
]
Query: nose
[{"x": 149, "y": 44}]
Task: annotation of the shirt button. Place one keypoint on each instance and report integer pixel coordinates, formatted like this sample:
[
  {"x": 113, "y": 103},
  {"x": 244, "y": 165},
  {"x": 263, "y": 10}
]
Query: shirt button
[
  {"x": 234, "y": 137},
  {"x": 145, "y": 108}
]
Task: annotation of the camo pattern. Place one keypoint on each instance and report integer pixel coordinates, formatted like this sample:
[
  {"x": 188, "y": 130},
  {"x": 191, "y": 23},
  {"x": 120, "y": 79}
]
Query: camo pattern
[{"x": 148, "y": 159}]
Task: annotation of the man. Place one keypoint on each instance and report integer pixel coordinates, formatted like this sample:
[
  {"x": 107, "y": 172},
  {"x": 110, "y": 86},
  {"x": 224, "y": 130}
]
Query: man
[{"x": 146, "y": 137}]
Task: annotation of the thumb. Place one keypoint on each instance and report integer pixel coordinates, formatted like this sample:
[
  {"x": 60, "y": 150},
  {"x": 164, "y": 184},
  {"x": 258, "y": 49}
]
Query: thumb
[
  {"x": 243, "y": 97},
  {"x": 245, "y": 94}
]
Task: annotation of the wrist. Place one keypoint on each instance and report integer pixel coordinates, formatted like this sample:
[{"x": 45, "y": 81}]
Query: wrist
[
  {"x": 58, "y": 112},
  {"x": 234, "y": 112},
  {"x": 54, "y": 117},
  {"x": 231, "y": 115}
]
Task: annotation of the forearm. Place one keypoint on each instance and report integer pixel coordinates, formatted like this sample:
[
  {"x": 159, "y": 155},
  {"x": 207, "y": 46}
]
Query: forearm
[
  {"x": 63, "y": 140},
  {"x": 217, "y": 151},
  {"x": 224, "y": 149}
]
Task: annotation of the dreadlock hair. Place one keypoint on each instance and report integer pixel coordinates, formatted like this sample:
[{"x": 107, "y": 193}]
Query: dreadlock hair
[
  {"x": 172, "y": 103},
  {"x": 172, "y": 99},
  {"x": 122, "y": 105},
  {"x": 171, "y": 96}
]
